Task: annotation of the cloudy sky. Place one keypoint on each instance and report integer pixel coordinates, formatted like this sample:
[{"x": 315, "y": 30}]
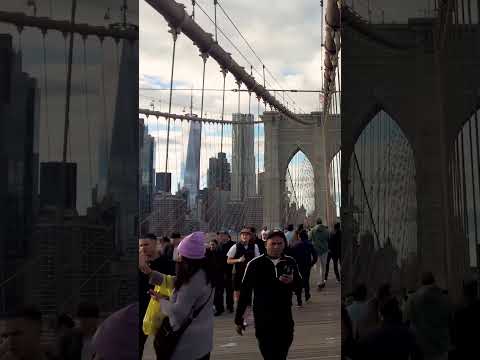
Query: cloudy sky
[{"x": 286, "y": 37}]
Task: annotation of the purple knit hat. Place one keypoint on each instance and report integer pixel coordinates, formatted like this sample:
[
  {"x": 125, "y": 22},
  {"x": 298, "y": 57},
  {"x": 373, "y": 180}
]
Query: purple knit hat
[
  {"x": 116, "y": 338},
  {"x": 193, "y": 246}
]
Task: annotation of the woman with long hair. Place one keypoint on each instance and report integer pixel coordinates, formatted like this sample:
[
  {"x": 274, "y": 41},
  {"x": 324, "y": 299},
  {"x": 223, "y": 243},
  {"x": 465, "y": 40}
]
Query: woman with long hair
[{"x": 193, "y": 291}]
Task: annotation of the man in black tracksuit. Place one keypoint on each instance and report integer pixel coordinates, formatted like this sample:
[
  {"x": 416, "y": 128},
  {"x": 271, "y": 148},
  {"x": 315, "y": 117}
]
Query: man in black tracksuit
[{"x": 273, "y": 277}]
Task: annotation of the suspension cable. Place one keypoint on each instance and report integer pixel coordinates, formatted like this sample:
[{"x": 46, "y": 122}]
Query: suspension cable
[
  {"x": 104, "y": 99},
  {"x": 224, "y": 73},
  {"x": 175, "y": 33},
  {"x": 204, "y": 57},
  {"x": 249, "y": 46},
  {"x": 45, "y": 86},
  {"x": 215, "y": 3},
  {"x": 87, "y": 118}
]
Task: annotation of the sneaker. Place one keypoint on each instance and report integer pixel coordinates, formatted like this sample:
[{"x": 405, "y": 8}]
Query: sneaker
[
  {"x": 307, "y": 298},
  {"x": 321, "y": 286},
  {"x": 299, "y": 306},
  {"x": 218, "y": 313}
]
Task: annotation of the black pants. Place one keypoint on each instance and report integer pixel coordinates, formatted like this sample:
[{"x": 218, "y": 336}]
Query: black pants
[
  {"x": 333, "y": 257},
  {"x": 306, "y": 286},
  {"x": 275, "y": 344},
  {"x": 224, "y": 286}
]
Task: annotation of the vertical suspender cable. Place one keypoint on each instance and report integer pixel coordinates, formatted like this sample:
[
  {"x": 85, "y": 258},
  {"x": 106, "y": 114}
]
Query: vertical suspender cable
[
  {"x": 174, "y": 33},
  {"x": 478, "y": 170},
  {"x": 465, "y": 206},
  {"x": 85, "y": 77},
  {"x": 250, "y": 93},
  {"x": 45, "y": 85},
  {"x": 215, "y": 2},
  {"x": 204, "y": 57},
  {"x": 258, "y": 146},
  {"x": 104, "y": 107},
  {"x": 65, "y": 53},
  {"x": 67, "y": 119},
  {"x": 224, "y": 73},
  {"x": 473, "y": 179}
]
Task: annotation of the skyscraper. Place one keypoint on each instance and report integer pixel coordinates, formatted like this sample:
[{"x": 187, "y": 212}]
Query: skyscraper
[
  {"x": 243, "y": 158},
  {"x": 19, "y": 132},
  {"x": 219, "y": 173},
  {"x": 123, "y": 180},
  {"x": 147, "y": 171},
  {"x": 192, "y": 166},
  {"x": 163, "y": 182}
]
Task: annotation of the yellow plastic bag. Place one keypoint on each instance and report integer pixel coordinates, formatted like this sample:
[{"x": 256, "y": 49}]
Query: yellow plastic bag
[{"x": 153, "y": 316}]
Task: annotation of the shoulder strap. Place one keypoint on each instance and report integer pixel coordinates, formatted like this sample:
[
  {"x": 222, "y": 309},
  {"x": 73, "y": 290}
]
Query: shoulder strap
[
  {"x": 199, "y": 310},
  {"x": 190, "y": 319}
]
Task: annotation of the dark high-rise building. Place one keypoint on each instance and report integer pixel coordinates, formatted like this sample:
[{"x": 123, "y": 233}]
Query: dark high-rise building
[
  {"x": 123, "y": 179},
  {"x": 219, "y": 176},
  {"x": 147, "y": 171},
  {"x": 19, "y": 132},
  {"x": 50, "y": 183},
  {"x": 164, "y": 182},
  {"x": 192, "y": 166}
]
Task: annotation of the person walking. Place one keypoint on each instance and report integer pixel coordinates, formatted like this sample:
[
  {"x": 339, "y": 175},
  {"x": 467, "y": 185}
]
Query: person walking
[
  {"x": 392, "y": 339},
  {"x": 258, "y": 241},
  {"x": 224, "y": 288},
  {"x": 334, "y": 248},
  {"x": 319, "y": 236},
  {"x": 77, "y": 345},
  {"x": 193, "y": 291},
  {"x": 305, "y": 255},
  {"x": 429, "y": 313},
  {"x": 289, "y": 234},
  {"x": 147, "y": 249},
  {"x": 239, "y": 255},
  {"x": 272, "y": 278}
]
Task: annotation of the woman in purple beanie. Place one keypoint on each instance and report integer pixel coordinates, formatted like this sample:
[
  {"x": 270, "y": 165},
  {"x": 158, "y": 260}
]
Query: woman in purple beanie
[{"x": 193, "y": 287}]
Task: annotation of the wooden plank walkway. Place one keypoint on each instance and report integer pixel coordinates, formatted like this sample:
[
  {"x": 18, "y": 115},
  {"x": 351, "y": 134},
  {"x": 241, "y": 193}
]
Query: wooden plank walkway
[{"x": 317, "y": 331}]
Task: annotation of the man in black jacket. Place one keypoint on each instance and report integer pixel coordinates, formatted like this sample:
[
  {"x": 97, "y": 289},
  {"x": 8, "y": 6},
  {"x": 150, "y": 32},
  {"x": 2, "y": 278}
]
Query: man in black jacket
[
  {"x": 225, "y": 284},
  {"x": 147, "y": 250},
  {"x": 273, "y": 277},
  {"x": 334, "y": 249}
]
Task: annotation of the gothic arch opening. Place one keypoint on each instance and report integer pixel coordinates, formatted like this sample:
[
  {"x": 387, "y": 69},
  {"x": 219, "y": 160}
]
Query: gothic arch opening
[
  {"x": 382, "y": 199},
  {"x": 464, "y": 169},
  {"x": 299, "y": 190}
]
